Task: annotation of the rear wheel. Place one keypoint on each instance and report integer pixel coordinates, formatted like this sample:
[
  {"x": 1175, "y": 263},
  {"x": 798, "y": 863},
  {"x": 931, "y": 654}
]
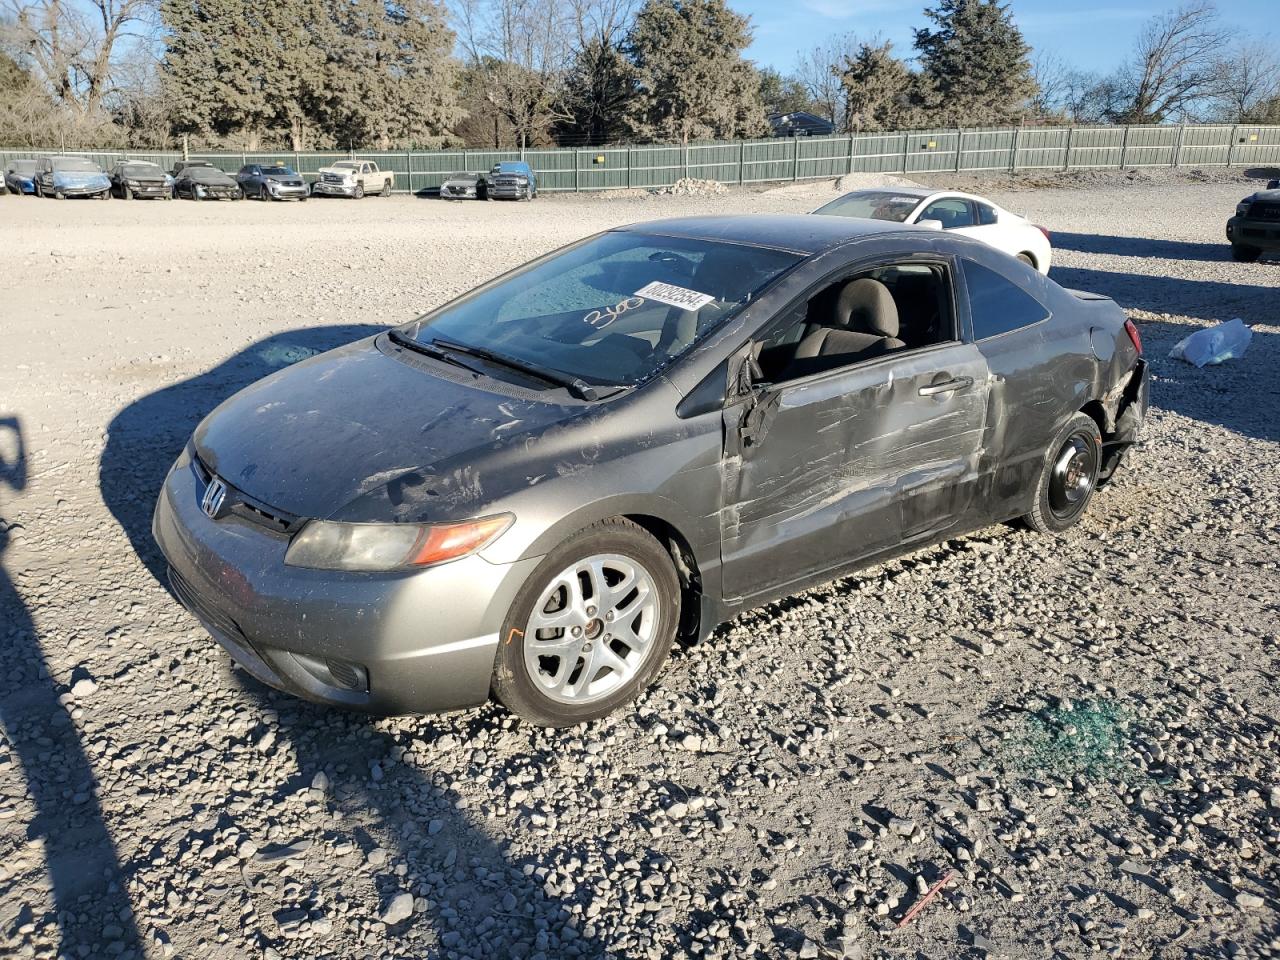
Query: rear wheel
[
  {"x": 1245, "y": 254},
  {"x": 386, "y": 189},
  {"x": 590, "y": 629},
  {"x": 1068, "y": 478}
]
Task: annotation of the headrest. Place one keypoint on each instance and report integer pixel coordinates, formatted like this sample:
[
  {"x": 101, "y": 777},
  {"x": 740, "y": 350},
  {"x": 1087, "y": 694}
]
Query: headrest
[{"x": 866, "y": 306}]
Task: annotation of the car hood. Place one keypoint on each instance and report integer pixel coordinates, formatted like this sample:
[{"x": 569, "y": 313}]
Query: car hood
[
  {"x": 357, "y": 434},
  {"x": 1270, "y": 196},
  {"x": 345, "y": 171}
]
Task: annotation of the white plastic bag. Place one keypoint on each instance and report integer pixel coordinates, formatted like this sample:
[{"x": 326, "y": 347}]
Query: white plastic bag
[{"x": 1214, "y": 344}]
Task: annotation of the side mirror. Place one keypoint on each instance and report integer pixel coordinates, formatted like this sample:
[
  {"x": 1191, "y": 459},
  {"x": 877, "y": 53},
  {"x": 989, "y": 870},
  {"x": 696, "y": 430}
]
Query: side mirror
[{"x": 930, "y": 224}]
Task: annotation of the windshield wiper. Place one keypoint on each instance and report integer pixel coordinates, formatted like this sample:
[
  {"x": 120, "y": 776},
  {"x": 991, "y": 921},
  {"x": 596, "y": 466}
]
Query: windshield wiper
[
  {"x": 575, "y": 385},
  {"x": 417, "y": 346}
]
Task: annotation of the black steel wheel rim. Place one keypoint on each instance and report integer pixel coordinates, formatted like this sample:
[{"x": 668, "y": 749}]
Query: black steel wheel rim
[{"x": 1071, "y": 476}]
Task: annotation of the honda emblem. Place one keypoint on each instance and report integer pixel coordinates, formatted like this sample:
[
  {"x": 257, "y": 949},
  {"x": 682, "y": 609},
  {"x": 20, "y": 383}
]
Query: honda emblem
[{"x": 215, "y": 495}]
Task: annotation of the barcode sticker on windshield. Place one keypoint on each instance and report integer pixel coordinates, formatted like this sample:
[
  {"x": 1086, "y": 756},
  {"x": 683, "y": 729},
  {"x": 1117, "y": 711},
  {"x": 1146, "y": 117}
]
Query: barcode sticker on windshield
[{"x": 674, "y": 296}]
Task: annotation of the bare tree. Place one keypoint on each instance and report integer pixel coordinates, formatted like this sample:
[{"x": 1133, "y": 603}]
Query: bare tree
[
  {"x": 521, "y": 49},
  {"x": 1248, "y": 81},
  {"x": 820, "y": 69},
  {"x": 72, "y": 48},
  {"x": 1175, "y": 65},
  {"x": 1052, "y": 76}
]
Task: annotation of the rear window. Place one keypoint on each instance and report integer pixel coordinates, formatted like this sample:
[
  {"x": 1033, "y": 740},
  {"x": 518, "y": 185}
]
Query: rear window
[{"x": 998, "y": 305}]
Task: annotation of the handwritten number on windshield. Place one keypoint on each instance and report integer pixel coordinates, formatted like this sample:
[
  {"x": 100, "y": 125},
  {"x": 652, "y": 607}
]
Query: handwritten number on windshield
[{"x": 602, "y": 318}]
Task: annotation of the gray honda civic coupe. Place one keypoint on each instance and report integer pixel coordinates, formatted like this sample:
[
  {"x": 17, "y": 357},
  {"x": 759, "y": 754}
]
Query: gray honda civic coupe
[{"x": 534, "y": 490}]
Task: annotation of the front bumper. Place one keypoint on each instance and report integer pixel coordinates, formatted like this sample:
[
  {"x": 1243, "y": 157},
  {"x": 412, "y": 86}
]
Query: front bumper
[
  {"x": 415, "y": 642},
  {"x": 81, "y": 189},
  {"x": 1263, "y": 234},
  {"x": 334, "y": 189},
  {"x": 509, "y": 193},
  {"x": 284, "y": 191},
  {"x": 458, "y": 193},
  {"x": 152, "y": 190},
  {"x": 218, "y": 193}
]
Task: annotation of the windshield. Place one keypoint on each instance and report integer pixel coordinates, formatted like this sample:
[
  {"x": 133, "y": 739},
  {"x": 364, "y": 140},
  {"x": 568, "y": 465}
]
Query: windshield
[
  {"x": 75, "y": 165},
  {"x": 142, "y": 170},
  {"x": 277, "y": 172},
  {"x": 211, "y": 174},
  {"x": 23, "y": 166},
  {"x": 872, "y": 205},
  {"x": 344, "y": 165},
  {"x": 612, "y": 310},
  {"x": 509, "y": 168},
  {"x": 462, "y": 176}
]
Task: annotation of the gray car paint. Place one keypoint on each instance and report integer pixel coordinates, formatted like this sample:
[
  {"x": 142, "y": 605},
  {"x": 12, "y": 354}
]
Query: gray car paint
[{"x": 757, "y": 490}]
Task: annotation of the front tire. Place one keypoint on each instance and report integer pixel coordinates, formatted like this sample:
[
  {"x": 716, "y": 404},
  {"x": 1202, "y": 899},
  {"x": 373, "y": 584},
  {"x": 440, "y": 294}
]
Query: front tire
[
  {"x": 590, "y": 629},
  {"x": 358, "y": 193},
  {"x": 1029, "y": 260},
  {"x": 1068, "y": 477},
  {"x": 1245, "y": 254}
]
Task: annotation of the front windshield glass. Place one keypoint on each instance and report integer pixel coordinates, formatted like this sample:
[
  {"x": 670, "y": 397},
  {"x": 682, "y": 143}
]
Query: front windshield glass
[
  {"x": 345, "y": 165},
  {"x": 277, "y": 172},
  {"x": 612, "y": 310},
  {"x": 872, "y": 205},
  {"x": 462, "y": 176},
  {"x": 210, "y": 174},
  {"x": 23, "y": 166},
  {"x": 142, "y": 170},
  {"x": 75, "y": 165}
]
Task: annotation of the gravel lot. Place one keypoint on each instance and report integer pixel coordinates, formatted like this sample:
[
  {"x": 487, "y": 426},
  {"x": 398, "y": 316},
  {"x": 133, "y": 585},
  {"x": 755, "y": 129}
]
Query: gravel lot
[{"x": 1084, "y": 729}]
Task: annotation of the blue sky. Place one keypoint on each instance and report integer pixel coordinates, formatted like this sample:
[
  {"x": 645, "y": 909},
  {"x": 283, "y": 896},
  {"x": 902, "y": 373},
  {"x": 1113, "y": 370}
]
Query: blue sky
[{"x": 1092, "y": 34}]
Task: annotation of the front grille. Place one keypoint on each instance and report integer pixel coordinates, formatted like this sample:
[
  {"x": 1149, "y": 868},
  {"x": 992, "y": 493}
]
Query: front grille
[
  {"x": 1264, "y": 210},
  {"x": 332, "y": 177},
  {"x": 205, "y": 612},
  {"x": 247, "y": 508}
]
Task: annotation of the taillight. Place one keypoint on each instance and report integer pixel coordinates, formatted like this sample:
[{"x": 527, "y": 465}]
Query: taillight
[
  {"x": 1045, "y": 232},
  {"x": 1131, "y": 329}
]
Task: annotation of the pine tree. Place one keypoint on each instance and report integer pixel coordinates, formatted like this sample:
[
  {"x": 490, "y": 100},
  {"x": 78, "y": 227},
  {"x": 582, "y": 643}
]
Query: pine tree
[
  {"x": 975, "y": 64},
  {"x": 599, "y": 90},
  {"x": 880, "y": 92},
  {"x": 692, "y": 80}
]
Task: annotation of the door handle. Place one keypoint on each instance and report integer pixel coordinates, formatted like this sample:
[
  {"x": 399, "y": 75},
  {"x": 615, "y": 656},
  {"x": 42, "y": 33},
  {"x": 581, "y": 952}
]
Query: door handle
[{"x": 946, "y": 386}]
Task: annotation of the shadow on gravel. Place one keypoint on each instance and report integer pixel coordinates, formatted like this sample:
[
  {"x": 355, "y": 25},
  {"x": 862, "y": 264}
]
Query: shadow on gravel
[
  {"x": 479, "y": 903},
  {"x": 1210, "y": 300},
  {"x": 1141, "y": 247},
  {"x": 79, "y": 854}
]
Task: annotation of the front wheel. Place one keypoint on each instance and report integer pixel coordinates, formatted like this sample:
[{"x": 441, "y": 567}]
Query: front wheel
[
  {"x": 1068, "y": 477},
  {"x": 1245, "y": 254},
  {"x": 1029, "y": 260},
  {"x": 591, "y": 627},
  {"x": 358, "y": 193}
]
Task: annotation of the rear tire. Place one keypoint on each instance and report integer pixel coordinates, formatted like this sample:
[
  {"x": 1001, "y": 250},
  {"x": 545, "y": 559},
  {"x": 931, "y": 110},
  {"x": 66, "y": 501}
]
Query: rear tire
[
  {"x": 1068, "y": 477},
  {"x": 614, "y": 639},
  {"x": 1245, "y": 254},
  {"x": 386, "y": 189}
]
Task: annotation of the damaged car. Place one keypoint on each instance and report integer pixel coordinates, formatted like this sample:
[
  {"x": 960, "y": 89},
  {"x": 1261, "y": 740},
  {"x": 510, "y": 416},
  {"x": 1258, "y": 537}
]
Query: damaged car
[{"x": 531, "y": 492}]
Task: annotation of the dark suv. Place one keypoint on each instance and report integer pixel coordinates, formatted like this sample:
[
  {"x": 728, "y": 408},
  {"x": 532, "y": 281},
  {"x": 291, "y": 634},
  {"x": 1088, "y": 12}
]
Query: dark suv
[{"x": 1256, "y": 225}]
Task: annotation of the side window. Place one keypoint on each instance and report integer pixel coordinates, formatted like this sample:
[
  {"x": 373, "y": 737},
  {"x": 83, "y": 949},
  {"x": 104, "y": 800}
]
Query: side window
[
  {"x": 373, "y": 168},
  {"x": 998, "y": 305},
  {"x": 364, "y": 168},
  {"x": 857, "y": 317},
  {"x": 952, "y": 212},
  {"x": 986, "y": 215}
]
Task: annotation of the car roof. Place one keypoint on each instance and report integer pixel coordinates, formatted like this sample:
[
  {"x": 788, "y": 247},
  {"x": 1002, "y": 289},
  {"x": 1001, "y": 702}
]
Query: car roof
[{"x": 798, "y": 233}]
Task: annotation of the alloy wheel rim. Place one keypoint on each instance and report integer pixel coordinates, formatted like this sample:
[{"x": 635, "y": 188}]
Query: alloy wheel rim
[
  {"x": 592, "y": 629},
  {"x": 1071, "y": 480}
]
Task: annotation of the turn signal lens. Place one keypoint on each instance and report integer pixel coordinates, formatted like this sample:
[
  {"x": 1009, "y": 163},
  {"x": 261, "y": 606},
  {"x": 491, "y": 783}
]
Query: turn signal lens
[
  {"x": 448, "y": 541},
  {"x": 1131, "y": 329},
  {"x": 327, "y": 545}
]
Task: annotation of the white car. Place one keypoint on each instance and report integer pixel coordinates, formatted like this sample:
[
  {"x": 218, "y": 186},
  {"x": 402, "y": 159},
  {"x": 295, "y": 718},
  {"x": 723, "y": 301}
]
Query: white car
[{"x": 955, "y": 212}]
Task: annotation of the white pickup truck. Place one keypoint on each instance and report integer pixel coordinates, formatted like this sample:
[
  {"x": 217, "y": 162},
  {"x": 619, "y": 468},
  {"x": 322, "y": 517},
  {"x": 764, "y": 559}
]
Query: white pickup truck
[{"x": 353, "y": 178}]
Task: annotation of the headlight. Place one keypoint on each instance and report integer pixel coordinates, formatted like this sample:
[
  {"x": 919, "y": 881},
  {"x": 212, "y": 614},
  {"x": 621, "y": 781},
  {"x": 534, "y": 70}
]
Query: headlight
[
  {"x": 327, "y": 545},
  {"x": 168, "y": 180},
  {"x": 522, "y": 180},
  {"x": 1242, "y": 208}
]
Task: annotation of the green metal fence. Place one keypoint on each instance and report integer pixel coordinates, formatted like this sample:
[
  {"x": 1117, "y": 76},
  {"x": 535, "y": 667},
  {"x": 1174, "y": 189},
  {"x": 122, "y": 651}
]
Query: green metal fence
[{"x": 804, "y": 158}]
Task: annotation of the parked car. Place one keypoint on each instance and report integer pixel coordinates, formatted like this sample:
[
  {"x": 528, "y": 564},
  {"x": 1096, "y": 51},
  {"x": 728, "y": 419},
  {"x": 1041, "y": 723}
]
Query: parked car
[
  {"x": 62, "y": 177},
  {"x": 204, "y": 181},
  {"x": 463, "y": 186},
  {"x": 534, "y": 488},
  {"x": 140, "y": 178},
  {"x": 353, "y": 178},
  {"x": 271, "y": 182},
  {"x": 512, "y": 180},
  {"x": 20, "y": 176},
  {"x": 961, "y": 213},
  {"x": 1255, "y": 228}
]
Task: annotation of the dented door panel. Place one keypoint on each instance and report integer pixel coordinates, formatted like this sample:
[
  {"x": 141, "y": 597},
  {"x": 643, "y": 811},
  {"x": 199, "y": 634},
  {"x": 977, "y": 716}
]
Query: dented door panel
[{"x": 825, "y": 470}]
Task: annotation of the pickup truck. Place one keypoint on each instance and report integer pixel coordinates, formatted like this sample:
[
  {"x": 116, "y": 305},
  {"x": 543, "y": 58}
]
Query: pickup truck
[
  {"x": 1256, "y": 225},
  {"x": 511, "y": 180},
  {"x": 353, "y": 178}
]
